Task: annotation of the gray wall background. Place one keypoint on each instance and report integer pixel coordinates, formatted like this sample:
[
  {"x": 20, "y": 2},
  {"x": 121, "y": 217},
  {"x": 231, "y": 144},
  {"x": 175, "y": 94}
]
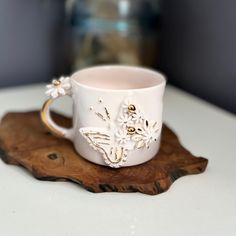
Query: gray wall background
[
  {"x": 31, "y": 40},
  {"x": 198, "y": 48}
]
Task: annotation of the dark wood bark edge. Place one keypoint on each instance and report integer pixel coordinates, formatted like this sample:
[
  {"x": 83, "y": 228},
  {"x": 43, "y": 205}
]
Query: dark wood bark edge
[{"x": 25, "y": 142}]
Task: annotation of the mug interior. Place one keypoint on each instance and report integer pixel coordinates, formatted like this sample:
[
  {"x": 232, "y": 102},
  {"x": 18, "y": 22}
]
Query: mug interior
[{"x": 118, "y": 77}]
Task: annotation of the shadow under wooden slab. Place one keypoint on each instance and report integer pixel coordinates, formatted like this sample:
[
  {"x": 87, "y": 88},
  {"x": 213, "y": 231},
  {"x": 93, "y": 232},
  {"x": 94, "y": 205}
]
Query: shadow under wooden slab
[{"x": 24, "y": 141}]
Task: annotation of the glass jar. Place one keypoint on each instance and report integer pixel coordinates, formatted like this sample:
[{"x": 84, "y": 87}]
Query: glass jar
[{"x": 114, "y": 32}]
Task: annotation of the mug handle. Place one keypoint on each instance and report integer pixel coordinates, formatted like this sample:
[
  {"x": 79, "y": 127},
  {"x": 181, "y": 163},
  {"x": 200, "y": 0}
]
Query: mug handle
[{"x": 47, "y": 120}]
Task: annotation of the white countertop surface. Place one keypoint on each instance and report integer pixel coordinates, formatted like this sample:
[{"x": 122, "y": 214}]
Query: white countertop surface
[{"x": 201, "y": 205}]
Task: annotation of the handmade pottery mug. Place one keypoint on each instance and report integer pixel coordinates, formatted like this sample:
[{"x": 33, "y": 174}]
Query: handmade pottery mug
[{"x": 117, "y": 113}]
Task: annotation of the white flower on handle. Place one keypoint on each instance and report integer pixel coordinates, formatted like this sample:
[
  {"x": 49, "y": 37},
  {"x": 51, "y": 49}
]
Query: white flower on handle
[{"x": 59, "y": 87}]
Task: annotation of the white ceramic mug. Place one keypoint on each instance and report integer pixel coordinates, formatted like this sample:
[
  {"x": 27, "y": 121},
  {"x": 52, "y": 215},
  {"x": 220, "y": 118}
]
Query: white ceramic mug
[{"x": 117, "y": 113}]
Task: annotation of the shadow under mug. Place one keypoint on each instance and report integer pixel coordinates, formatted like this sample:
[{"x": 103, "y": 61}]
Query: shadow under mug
[{"x": 117, "y": 113}]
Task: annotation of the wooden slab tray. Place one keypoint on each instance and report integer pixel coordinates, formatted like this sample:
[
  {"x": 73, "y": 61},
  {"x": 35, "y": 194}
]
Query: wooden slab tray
[{"x": 25, "y": 142}]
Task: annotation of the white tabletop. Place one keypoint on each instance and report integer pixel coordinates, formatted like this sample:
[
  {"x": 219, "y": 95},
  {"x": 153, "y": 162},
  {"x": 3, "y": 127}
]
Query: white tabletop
[{"x": 201, "y": 205}]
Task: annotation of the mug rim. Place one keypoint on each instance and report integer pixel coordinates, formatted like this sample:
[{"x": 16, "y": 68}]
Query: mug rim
[{"x": 162, "y": 78}]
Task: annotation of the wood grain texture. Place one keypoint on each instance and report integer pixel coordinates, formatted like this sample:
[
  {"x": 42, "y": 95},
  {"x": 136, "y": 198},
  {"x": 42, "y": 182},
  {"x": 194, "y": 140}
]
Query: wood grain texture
[{"x": 24, "y": 141}]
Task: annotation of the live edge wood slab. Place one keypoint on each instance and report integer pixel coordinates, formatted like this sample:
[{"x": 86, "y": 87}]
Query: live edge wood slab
[{"x": 24, "y": 141}]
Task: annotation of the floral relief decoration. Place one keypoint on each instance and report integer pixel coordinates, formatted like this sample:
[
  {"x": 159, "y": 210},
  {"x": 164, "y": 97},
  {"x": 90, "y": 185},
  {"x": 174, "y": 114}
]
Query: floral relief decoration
[{"x": 129, "y": 131}]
